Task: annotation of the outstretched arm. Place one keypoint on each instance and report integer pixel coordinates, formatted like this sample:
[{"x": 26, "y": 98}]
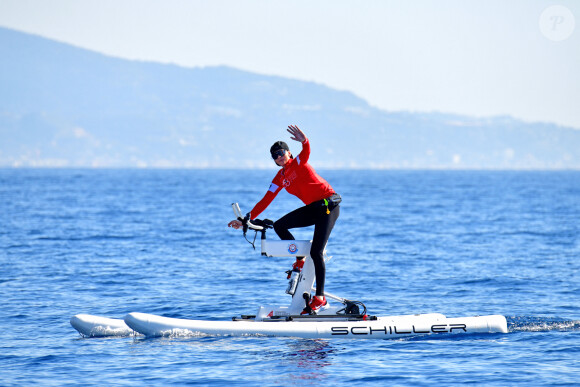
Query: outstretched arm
[{"x": 297, "y": 134}]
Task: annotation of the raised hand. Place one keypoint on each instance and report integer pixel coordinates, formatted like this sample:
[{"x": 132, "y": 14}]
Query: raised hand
[{"x": 296, "y": 133}]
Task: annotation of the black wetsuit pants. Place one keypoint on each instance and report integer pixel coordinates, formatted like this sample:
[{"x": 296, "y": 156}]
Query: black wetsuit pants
[{"x": 312, "y": 214}]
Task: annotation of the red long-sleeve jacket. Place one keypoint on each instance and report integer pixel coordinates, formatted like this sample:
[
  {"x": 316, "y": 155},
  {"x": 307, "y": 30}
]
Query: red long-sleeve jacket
[{"x": 299, "y": 179}]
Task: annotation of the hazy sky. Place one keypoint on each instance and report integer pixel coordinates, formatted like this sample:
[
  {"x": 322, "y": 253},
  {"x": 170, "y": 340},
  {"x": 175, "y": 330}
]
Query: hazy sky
[{"x": 482, "y": 58}]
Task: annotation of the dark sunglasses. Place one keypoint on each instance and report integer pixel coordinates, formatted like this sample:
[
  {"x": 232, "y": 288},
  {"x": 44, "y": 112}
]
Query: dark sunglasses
[{"x": 278, "y": 153}]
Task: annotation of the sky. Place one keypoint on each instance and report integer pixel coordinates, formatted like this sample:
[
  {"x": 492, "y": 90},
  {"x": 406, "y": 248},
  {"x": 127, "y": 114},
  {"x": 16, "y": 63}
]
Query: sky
[{"x": 479, "y": 58}]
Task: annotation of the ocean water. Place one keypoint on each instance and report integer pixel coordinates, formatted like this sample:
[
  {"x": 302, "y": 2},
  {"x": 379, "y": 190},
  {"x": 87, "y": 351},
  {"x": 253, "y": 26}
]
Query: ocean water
[{"x": 461, "y": 243}]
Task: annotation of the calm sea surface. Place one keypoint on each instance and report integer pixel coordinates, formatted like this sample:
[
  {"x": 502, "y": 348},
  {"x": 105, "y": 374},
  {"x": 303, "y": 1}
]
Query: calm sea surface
[{"x": 109, "y": 242}]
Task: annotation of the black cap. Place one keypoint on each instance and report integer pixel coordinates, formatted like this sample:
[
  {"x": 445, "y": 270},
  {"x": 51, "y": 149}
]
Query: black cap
[{"x": 279, "y": 145}]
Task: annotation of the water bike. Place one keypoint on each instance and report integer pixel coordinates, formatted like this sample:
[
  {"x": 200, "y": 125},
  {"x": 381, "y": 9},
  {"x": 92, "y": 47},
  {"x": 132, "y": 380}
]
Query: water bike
[{"x": 342, "y": 318}]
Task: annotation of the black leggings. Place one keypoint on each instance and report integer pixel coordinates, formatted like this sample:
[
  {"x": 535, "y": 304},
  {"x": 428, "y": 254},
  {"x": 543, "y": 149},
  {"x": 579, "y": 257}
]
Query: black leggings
[{"x": 312, "y": 214}]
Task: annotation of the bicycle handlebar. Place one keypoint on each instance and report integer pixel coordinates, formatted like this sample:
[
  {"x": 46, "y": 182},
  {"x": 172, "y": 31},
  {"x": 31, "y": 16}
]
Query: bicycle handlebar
[
  {"x": 256, "y": 224},
  {"x": 237, "y": 211}
]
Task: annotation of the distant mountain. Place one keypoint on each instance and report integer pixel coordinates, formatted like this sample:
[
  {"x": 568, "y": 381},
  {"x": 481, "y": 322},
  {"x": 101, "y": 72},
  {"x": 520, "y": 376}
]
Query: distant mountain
[{"x": 65, "y": 106}]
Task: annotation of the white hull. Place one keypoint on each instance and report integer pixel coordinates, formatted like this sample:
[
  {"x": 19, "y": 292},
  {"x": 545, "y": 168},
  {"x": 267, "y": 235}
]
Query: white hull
[
  {"x": 382, "y": 328},
  {"x": 96, "y": 326},
  {"x": 342, "y": 321}
]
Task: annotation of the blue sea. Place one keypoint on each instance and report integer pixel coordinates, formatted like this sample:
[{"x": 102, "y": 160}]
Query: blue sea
[{"x": 461, "y": 243}]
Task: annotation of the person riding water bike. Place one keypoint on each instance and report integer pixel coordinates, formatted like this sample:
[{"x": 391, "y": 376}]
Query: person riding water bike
[{"x": 321, "y": 207}]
